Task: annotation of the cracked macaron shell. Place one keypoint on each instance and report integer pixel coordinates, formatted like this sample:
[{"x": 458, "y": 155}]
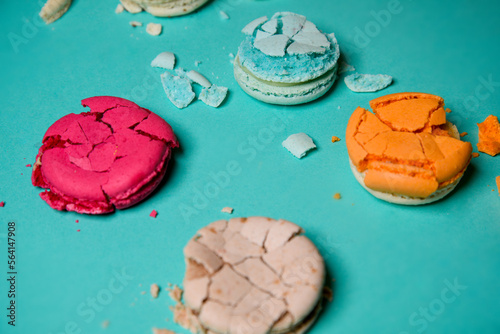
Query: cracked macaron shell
[
  {"x": 405, "y": 147},
  {"x": 254, "y": 274},
  {"x": 111, "y": 157}
]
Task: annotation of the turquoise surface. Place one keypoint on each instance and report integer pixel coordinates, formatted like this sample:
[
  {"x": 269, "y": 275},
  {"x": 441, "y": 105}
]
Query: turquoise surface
[{"x": 432, "y": 269}]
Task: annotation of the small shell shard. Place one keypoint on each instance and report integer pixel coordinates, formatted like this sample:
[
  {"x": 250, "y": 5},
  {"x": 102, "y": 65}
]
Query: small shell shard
[
  {"x": 273, "y": 45},
  {"x": 299, "y": 144},
  {"x": 292, "y": 23},
  {"x": 300, "y": 48},
  {"x": 261, "y": 35},
  {"x": 270, "y": 26},
  {"x": 250, "y": 28},
  {"x": 363, "y": 83},
  {"x": 312, "y": 38},
  {"x": 164, "y": 60},
  {"x": 198, "y": 78}
]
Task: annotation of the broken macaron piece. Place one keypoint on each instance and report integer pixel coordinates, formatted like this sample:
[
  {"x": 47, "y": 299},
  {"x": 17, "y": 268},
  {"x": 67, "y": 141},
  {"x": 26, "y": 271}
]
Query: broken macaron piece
[
  {"x": 286, "y": 60},
  {"x": 299, "y": 144},
  {"x": 405, "y": 152},
  {"x": 367, "y": 83},
  {"x": 111, "y": 157},
  {"x": 178, "y": 89},
  {"x": 489, "y": 136},
  {"x": 164, "y": 60},
  {"x": 253, "y": 275}
]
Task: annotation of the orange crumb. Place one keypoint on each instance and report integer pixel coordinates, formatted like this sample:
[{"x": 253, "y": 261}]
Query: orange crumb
[
  {"x": 154, "y": 290},
  {"x": 489, "y": 136},
  {"x": 337, "y": 196},
  {"x": 448, "y": 110},
  {"x": 463, "y": 134},
  {"x": 335, "y": 139},
  {"x": 498, "y": 184},
  {"x": 475, "y": 154}
]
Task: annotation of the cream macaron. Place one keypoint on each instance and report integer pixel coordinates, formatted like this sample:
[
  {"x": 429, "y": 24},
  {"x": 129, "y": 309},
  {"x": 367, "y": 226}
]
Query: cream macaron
[{"x": 253, "y": 275}]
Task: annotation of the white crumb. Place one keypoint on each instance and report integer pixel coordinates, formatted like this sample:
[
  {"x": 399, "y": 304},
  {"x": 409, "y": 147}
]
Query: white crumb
[
  {"x": 154, "y": 290},
  {"x": 154, "y": 29},
  {"x": 135, "y": 24},
  {"x": 227, "y": 210}
]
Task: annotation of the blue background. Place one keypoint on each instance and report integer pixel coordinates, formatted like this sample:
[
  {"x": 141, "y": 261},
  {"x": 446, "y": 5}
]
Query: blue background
[{"x": 390, "y": 263}]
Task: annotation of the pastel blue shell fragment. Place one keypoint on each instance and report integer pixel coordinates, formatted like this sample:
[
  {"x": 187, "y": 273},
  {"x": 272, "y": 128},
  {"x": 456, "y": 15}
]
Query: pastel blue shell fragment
[
  {"x": 213, "y": 96},
  {"x": 364, "y": 83},
  {"x": 178, "y": 89},
  {"x": 299, "y": 144}
]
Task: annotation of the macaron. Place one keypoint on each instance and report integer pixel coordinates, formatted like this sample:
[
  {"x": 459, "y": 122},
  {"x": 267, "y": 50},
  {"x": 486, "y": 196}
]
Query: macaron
[
  {"x": 406, "y": 152},
  {"x": 253, "y": 275},
  {"x": 111, "y": 157},
  {"x": 286, "y": 60},
  {"x": 163, "y": 8}
]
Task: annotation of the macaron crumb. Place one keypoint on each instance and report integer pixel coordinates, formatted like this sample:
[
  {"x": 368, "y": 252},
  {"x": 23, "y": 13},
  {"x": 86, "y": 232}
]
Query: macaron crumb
[
  {"x": 28, "y": 165},
  {"x": 143, "y": 292},
  {"x": 162, "y": 331},
  {"x": 335, "y": 139},
  {"x": 78, "y": 230},
  {"x": 223, "y": 15},
  {"x": 153, "y": 214},
  {"x": 463, "y": 134},
  {"x": 345, "y": 67},
  {"x": 197, "y": 63},
  {"x": 227, "y": 210},
  {"x": 119, "y": 8},
  {"x": 475, "y": 154},
  {"x": 154, "y": 290},
  {"x": 2, "y": 204},
  {"x": 135, "y": 24},
  {"x": 154, "y": 29},
  {"x": 497, "y": 179},
  {"x": 489, "y": 136},
  {"x": 299, "y": 144},
  {"x": 337, "y": 196},
  {"x": 175, "y": 293},
  {"x": 448, "y": 110},
  {"x": 105, "y": 324}
]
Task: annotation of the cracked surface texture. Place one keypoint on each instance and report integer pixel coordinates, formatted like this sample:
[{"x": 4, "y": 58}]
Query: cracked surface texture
[
  {"x": 253, "y": 275},
  {"x": 111, "y": 157},
  {"x": 406, "y": 146}
]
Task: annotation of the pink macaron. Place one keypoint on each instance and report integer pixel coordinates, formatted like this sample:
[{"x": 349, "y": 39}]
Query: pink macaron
[{"x": 111, "y": 157}]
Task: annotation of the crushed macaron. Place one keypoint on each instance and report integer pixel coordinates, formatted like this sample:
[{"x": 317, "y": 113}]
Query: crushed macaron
[
  {"x": 489, "y": 136},
  {"x": 367, "y": 83},
  {"x": 299, "y": 144},
  {"x": 153, "y": 214},
  {"x": 214, "y": 95},
  {"x": 178, "y": 89}
]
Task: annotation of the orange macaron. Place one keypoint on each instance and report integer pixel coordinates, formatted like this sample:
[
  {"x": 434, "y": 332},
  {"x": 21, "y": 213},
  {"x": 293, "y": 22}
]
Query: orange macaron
[{"x": 406, "y": 152}]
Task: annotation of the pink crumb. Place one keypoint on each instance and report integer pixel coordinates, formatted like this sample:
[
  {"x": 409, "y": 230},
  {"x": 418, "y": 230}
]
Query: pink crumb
[
  {"x": 153, "y": 214},
  {"x": 2, "y": 204},
  {"x": 28, "y": 165},
  {"x": 76, "y": 221},
  {"x": 78, "y": 230}
]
